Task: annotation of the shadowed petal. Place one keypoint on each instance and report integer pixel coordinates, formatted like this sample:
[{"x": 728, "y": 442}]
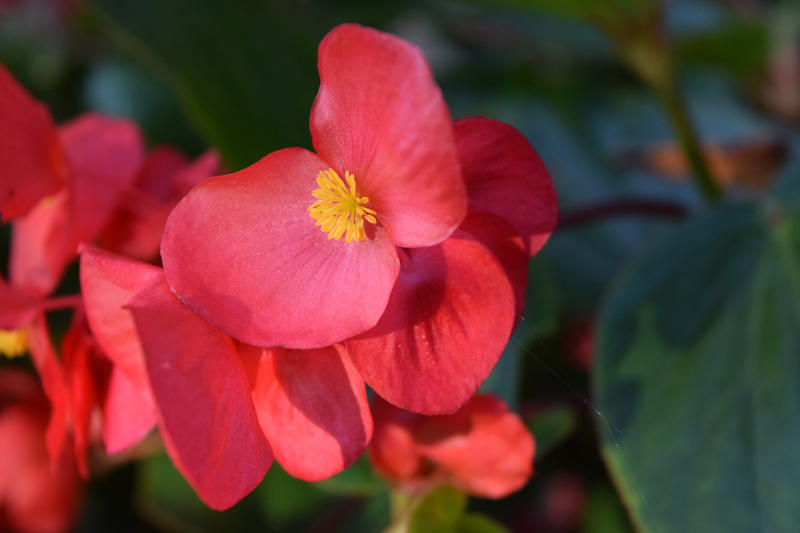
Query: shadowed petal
[
  {"x": 495, "y": 435},
  {"x": 108, "y": 282},
  {"x": 447, "y": 321},
  {"x": 207, "y": 418},
  {"x": 505, "y": 176},
  {"x": 30, "y": 153},
  {"x": 312, "y": 406},
  {"x": 500, "y": 237},
  {"x": 46, "y": 363},
  {"x": 380, "y": 115},
  {"x": 242, "y": 251}
]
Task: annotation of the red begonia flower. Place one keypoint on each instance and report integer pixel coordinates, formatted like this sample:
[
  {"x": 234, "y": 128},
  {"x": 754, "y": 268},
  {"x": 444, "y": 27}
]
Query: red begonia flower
[
  {"x": 206, "y": 414},
  {"x": 446, "y": 324},
  {"x": 166, "y": 176},
  {"x": 108, "y": 282},
  {"x": 103, "y": 156},
  {"x": 30, "y": 153},
  {"x": 312, "y": 406},
  {"x": 483, "y": 449},
  {"x": 505, "y": 176},
  {"x": 44, "y": 359},
  {"x": 243, "y": 250},
  {"x": 35, "y": 494}
]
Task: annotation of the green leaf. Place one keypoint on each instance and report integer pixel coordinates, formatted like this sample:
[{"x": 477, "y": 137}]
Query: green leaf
[
  {"x": 245, "y": 70},
  {"x": 551, "y": 427},
  {"x": 359, "y": 479},
  {"x": 285, "y": 500},
  {"x": 439, "y": 511},
  {"x": 477, "y": 523},
  {"x": 696, "y": 375},
  {"x": 605, "y": 513},
  {"x": 740, "y": 47}
]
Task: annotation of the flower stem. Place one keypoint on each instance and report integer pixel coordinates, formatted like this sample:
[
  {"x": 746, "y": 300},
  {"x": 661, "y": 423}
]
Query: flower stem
[
  {"x": 61, "y": 302},
  {"x": 689, "y": 142},
  {"x": 602, "y": 211}
]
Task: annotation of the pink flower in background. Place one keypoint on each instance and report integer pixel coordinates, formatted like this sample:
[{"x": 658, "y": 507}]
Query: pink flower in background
[
  {"x": 35, "y": 494},
  {"x": 482, "y": 449}
]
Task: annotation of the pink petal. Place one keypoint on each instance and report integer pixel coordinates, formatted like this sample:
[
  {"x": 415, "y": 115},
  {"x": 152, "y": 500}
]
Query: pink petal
[
  {"x": 207, "y": 417},
  {"x": 500, "y": 237},
  {"x": 30, "y": 154},
  {"x": 494, "y": 458},
  {"x": 242, "y": 251},
  {"x": 312, "y": 406},
  {"x": 393, "y": 451},
  {"x": 17, "y": 308},
  {"x": 53, "y": 383},
  {"x": 380, "y": 115},
  {"x": 75, "y": 355},
  {"x": 128, "y": 413},
  {"x": 505, "y": 176},
  {"x": 446, "y": 324},
  {"x": 104, "y": 155},
  {"x": 42, "y": 245},
  {"x": 108, "y": 282}
]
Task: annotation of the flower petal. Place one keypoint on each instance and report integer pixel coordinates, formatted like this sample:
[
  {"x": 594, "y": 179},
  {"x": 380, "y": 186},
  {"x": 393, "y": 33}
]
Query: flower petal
[
  {"x": 242, "y": 251},
  {"x": 53, "y": 383},
  {"x": 108, "y": 282},
  {"x": 496, "y": 436},
  {"x": 312, "y": 406},
  {"x": 30, "y": 154},
  {"x": 128, "y": 413},
  {"x": 207, "y": 418},
  {"x": 500, "y": 237},
  {"x": 505, "y": 176},
  {"x": 446, "y": 324},
  {"x": 17, "y": 308},
  {"x": 380, "y": 115},
  {"x": 104, "y": 155}
]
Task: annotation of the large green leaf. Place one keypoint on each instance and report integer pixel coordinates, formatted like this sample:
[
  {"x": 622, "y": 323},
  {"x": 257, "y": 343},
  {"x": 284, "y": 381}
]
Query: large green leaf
[
  {"x": 697, "y": 375},
  {"x": 245, "y": 70}
]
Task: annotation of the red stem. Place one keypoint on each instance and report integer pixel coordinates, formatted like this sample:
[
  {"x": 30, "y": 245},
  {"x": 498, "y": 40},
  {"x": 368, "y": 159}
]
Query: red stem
[
  {"x": 620, "y": 208},
  {"x": 61, "y": 302}
]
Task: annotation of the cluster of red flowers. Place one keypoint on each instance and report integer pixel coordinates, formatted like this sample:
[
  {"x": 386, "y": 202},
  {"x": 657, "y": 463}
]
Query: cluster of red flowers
[{"x": 396, "y": 256}]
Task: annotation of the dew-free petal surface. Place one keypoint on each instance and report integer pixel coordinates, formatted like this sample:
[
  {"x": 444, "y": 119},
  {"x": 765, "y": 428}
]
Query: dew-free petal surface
[
  {"x": 17, "y": 308},
  {"x": 31, "y": 159},
  {"x": 380, "y": 115},
  {"x": 104, "y": 155},
  {"x": 506, "y": 176},
  {"x": 493, "y": 458},
  {"x": 207, "y": 418},
  {"x": 128, "y": 413},
  {"x": 44, "y": 359},
  {"x": 312, "y": 406},
  {"x": 500, "y": 237},
  {"x": 446, "y": 324},
  {"x": 108, "y": 282},
  {"x": 242, "y": 251}
]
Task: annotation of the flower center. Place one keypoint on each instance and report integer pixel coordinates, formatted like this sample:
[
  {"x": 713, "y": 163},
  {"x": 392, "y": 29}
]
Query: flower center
[
  {"x": 338, "y": 208},
  {"x": 13, "y": 343}
]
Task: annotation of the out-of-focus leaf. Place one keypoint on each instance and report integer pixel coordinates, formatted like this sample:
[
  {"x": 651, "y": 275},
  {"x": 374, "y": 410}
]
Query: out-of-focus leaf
[
  {"x": 439, "y": 511},
  {"x": 285, "y": 500},
  {"x": 605, "y": 513},
  {"x": 359, "y": 479},
  {"x": 740, "y": 47},
  {"x": 169, "y": 501},
  {"x": 245, "y": 70},
  {"x": 551, "y": 427},
  {"x": 696, "y": 374},
  {"x": 373, "y": 516},
  {"x": 477, "y": 523}
]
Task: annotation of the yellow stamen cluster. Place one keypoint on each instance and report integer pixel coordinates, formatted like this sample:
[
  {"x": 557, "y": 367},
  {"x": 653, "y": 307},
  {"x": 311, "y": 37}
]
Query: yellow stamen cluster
[
  {"x": 13, "y": 343},
  {"x": 338, "y": 208}
]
